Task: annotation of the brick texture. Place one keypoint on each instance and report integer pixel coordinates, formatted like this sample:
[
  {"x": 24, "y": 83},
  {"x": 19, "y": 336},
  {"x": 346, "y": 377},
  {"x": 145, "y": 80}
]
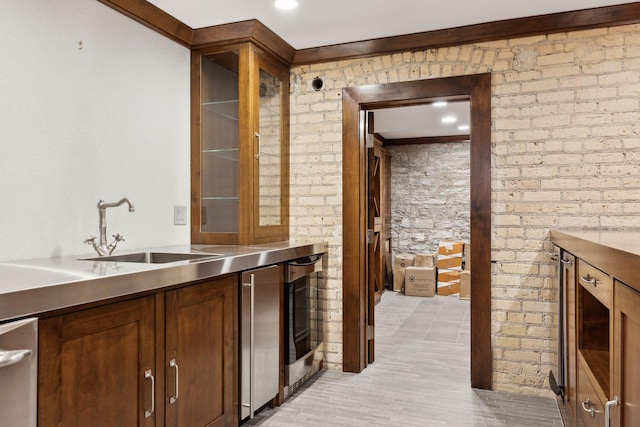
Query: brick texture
[{"x": 565, "y": 151}]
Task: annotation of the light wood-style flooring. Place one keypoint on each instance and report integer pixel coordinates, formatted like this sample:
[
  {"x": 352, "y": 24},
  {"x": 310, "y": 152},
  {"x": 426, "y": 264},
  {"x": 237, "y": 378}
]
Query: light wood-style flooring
[{"x": 420, "y": 378}]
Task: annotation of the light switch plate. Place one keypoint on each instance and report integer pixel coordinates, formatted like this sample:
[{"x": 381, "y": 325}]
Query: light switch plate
[{"x": 179, "y": 215}]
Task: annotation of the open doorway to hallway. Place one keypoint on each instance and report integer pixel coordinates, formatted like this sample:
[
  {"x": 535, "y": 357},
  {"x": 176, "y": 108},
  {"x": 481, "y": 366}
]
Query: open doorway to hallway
[
  {"x": 428, "y": 201},
  {"x": 358, "y": 335}
]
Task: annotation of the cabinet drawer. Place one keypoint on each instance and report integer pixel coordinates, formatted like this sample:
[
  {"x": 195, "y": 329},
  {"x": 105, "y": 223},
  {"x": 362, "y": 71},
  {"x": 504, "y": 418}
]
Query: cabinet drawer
[
  {"x": 598, "y": 283},
  {"x": 590, "y": 407}
]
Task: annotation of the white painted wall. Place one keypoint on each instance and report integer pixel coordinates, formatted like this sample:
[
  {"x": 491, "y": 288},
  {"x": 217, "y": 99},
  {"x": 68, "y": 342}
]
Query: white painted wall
[{"x": 78, "y": 125}]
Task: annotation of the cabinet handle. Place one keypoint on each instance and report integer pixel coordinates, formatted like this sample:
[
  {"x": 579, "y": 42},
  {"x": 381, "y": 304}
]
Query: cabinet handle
[
  {"x": 8, "y": 358},
  {"x": 607, "y": 410},
  {"x": 173, "y": 364},
  {"x": 589, "y": 280},
  {"x": 149, "y": 375},
  {"x": 566, "y": 262},
  {"x": 257, "y": 135},
  {"x": 586, "y": 406}
]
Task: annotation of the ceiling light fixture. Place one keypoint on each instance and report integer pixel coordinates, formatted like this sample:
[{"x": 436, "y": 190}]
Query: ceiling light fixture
[
  {"x": 286, "y": 4},
  {"x": 449, "y": 119},
  {"x": 439, "y": 104}
]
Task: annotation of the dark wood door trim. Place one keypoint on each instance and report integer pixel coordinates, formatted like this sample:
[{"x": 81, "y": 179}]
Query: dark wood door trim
[{"x": 355, "y": 100}]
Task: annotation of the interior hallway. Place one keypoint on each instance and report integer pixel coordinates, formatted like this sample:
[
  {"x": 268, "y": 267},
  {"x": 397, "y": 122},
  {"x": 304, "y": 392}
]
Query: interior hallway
[{"x": 420, "y": 378}]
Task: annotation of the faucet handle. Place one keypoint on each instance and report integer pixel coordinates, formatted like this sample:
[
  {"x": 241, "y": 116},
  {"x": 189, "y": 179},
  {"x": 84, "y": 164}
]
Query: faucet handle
[
  {"x": 91, "y": 240},
  {"x": 118, "y": 237}
]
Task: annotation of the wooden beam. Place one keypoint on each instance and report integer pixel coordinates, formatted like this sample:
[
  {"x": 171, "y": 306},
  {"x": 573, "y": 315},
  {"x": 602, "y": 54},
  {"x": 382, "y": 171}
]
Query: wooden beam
[{"x": 497, "y": 30}]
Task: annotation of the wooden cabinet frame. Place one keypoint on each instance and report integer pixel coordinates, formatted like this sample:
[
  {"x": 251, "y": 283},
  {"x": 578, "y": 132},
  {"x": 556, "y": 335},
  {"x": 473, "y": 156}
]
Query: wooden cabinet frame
[{"x": 251, "y": 60}]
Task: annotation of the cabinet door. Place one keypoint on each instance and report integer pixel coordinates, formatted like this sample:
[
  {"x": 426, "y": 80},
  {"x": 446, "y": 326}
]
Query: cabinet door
[
  {"x": 92, "y": 364},
  {"x": 201, "y": 340},
  {"x": 626, "y": 350},
  {"x": 271, "y": 182}
]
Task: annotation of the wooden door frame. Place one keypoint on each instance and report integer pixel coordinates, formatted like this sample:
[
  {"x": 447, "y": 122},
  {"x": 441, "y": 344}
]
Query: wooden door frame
[{"x": 355, "y": 100}]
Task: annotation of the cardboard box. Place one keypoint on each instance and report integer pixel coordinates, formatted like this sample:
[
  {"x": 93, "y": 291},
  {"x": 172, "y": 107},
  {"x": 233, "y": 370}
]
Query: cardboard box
[
  {"x": 465, "y": 284},
  {"x": 401, "y": 263},
  {"x": 445, "y": 275},
  {"x": 453, "y": 262},
  {"x": 448, "y": 288},
  {"x": 426, "y": 260},
  {"x": 450, "y": 247},
  {"x": 448, "y": 281},
  {"x": 420, "y": 281}
]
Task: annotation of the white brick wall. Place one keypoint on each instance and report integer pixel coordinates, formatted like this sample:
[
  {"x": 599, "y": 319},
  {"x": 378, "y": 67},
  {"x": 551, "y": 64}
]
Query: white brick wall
[{"x": 565, "y": 151}]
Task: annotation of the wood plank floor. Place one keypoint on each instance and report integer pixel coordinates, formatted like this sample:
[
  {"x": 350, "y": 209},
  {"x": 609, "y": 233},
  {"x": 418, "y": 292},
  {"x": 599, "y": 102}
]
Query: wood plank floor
[{"x": 420, "y": 378}]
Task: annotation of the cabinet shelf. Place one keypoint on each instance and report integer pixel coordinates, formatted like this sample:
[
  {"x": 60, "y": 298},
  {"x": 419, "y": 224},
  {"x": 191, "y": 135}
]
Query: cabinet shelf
[
  {"x": 221, "y": 198},
  {"x": 598, "y": 363},
  {"x": 224, "y": 153},
  {"x": 225, "y": 109}
]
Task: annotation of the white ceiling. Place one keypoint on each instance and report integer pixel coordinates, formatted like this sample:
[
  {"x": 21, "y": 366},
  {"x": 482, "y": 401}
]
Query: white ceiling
[
  {"x": 422, "y": 120},
  {"x": 326, "y": 22}
]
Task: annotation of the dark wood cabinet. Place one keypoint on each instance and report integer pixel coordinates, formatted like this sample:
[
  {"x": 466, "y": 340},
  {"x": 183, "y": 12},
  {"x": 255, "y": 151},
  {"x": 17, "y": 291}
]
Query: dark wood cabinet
[
  {"x": 602, "y": 340},
  {"x": 626, "y": 362},
  {"x": 102, "y": 366},
  {"x": 97, "y": 368},
  {"x": 201, "y": 353}
]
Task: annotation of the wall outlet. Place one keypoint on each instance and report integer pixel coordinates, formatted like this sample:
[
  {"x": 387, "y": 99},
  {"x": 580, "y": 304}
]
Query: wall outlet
[{"x": 179, "y": 215}]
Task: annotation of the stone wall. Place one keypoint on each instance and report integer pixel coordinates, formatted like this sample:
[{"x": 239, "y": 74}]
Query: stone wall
[
  {"x": 429, "y": 195},
  {"x": 565, "y": 153}
]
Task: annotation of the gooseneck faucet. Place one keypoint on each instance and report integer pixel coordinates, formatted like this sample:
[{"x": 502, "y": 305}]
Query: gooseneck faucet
[{"x": 102, "y": 248}]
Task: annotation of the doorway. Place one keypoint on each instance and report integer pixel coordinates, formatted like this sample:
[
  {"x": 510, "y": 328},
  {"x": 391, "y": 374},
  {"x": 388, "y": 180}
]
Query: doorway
[{"x": 358, "y": 326}]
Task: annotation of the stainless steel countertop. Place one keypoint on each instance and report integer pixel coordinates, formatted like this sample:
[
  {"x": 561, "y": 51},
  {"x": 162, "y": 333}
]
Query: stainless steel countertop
[{"x": 36, "y": 286}]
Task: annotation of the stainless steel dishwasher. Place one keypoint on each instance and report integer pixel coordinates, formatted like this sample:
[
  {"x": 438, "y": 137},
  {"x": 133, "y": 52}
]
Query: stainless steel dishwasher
[
  {"x": 19, "y": 373},
  {"x": 259, "y": 338}
]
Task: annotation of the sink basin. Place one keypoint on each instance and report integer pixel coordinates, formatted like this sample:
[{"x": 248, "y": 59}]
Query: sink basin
[{"x": 153, "y": 257}]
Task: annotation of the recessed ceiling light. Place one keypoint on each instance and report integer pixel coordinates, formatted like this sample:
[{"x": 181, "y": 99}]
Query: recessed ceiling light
[
  {"x": 463, "y": 127},
  {"x": 439, "y": 104},
  {"x": 448, "y": 119},
  {"x": 286, "y": 4}
]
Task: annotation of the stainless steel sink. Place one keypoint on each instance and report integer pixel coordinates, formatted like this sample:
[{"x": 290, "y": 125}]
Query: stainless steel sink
[{"x": 153, "y": 257}]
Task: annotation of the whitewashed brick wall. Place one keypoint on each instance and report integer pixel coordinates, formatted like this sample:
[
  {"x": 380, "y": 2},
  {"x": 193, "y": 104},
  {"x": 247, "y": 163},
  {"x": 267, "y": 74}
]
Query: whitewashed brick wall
[
  {"x": 565, "y": 153},
  {"x": 430, "y": 198}
]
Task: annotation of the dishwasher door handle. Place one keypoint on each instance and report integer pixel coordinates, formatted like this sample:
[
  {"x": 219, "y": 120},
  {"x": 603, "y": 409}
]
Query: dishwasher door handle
[{"x": 8, "y": 358}]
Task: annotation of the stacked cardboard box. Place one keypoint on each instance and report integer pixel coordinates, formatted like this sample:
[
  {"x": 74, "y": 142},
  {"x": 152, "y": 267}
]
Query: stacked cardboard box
[
  {"x": 401, "y": 263},
  {"x": 426, "y": 260},
  {"x": 465, "y": 284},
  {"x": 449, "y": 266},
  {"x": 420, "y": 281}
]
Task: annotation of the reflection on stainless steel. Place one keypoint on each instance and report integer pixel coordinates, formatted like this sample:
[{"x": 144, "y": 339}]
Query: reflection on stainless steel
[
  {"x": 18, "y": 373},
  {"x": 259, "y": 338},
  {"x": 102, "y": 248},
  {"x": 75, "y": 283},
  {"x": 302, "y": 319},
  {"x": 154, "y": 257}
]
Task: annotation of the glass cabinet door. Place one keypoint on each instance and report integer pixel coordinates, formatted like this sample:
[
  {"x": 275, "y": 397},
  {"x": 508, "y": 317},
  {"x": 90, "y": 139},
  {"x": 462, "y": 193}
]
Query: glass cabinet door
[
  {"x": 269, "y": 139},
  {"x": 220, "y": 143}
]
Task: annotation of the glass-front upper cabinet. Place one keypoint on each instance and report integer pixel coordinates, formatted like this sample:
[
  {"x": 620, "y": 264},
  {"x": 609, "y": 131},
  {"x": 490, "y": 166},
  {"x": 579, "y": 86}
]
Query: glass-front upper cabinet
[{"x": 240, "y": 147}]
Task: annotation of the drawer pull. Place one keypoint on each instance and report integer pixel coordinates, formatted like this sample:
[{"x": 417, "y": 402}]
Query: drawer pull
[
  {"x": 149, "y": 375},
  {"x": 566, "y": 262},
  {"x": 173, "y": 364},
  {"x": 589, "y": 280},
  {"x": 607, "y": 410},
  {"x": 586, "y": 406}
]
